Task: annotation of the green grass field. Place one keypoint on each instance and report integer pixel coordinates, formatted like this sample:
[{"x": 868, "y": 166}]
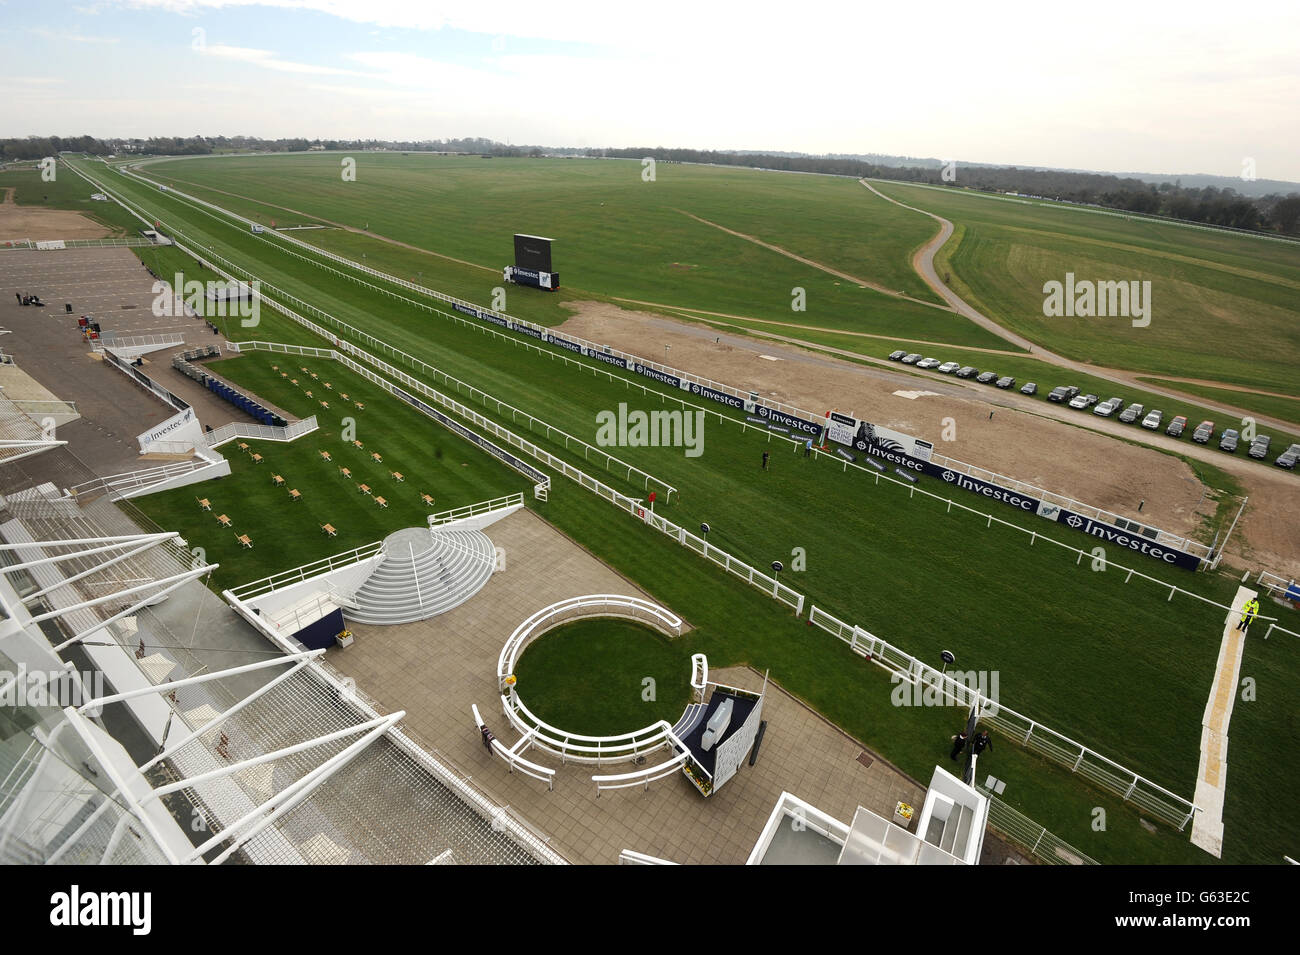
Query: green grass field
[
  {"x": 641, "y": 245},
  {"x": 1129, "y": 672},
  {"x": 1223, "y": 305},
  {"x": 588, "y": 677},
  {"x": 286, "y": 533}
]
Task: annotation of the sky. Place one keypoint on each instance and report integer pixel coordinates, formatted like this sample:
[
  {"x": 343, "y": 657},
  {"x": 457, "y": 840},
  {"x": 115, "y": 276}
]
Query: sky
[{"x": 1119, "y": 87}]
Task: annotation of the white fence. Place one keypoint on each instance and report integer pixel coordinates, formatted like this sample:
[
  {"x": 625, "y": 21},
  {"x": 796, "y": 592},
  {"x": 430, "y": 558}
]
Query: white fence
[
  {"x": 259, "y": 432},
  {"x": 315, "y": 254},
  {"x": 1039, "y": 739},
  {"x": 298, "y": 574},
  {"x": 471, "y": 510},
  {"x": 1042, "y": 845},
  {"x": 126, "y": 342}
]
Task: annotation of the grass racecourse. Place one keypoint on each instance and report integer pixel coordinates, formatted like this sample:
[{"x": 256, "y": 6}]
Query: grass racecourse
[{"x": 1106, "y": 662}]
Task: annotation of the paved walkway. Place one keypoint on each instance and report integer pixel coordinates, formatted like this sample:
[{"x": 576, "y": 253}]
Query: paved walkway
[
  {"x": 435, "y": 669},
  {"x": 1212, "y": 774}
]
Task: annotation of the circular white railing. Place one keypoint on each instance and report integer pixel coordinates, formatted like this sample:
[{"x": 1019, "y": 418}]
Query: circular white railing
[{"x": 580, "y": 747}]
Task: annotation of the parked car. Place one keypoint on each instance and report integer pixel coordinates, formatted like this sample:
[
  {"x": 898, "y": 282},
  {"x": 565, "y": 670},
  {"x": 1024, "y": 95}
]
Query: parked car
[
  {"x": 967, "y": 371},
  {"x": 949, "y": 367},
  {"x": 911, "y": 359},
  {"x": 1229, "y": 441},
  {"x": 1029, "y": 388},
  {"x": 1108, "y": 407},
  {"x": 987, "y": 377},
  {"x": 897, "y": 355},
  {"x": 1259, "y": 447},
  {"x": 1176, "y": 427},
  {"x": 928, "y": 363},
  {"x": 1153, "y": 419},
  {"x": 1287, "y": 459},
  {"x": 1080, "y": 402},
  {"x": 1204, "y": 431},
  {"x": 1131, "y": 413},
  {"x": 1060, "y": 393},
  {"x": 1006, "y": 381}
]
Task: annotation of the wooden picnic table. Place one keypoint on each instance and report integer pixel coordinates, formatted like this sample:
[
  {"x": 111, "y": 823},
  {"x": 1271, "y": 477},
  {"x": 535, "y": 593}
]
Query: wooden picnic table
[
  {"x": 242, "y": 446},
  {"x": 374, "y": 456},
  {"x": 223, "y": 520},
  {"x": 329, "y": 529},
  {"x": 397, "y": 476},
  {"x": 277, "y": 480},
  {"x": 325, "y": 455},
  {"x": 295, "y": 494},
  {"x": 427, "y": 499},
  {"x": 363, "y": 488},
  {"x": 244, "y": 539},
  {"x": 258, "y": 459},
  {"x": 381, "y": 502},
  {"x": 346, "y": 472},
  {"x": 205, "y": 503},
  {"x": 357, "y": 444}
]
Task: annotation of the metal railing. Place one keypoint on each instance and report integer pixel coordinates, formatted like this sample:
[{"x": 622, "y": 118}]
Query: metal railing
[
  {"x": 1042, "y": 845},
  {"x": 259, "y": 432},
  {"x": 306, "y": 571},
  {"x": 1034, "y": 736},
  {"x": 1096, "y": 513},
  {"x": 471, "y": 510}
]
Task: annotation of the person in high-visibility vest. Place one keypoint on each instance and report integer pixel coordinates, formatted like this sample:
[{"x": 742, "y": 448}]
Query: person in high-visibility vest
[{"x": 1248, "y": 613}]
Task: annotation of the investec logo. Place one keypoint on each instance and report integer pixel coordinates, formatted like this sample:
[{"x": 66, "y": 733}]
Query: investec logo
[
  {"x": 75, "y": 907},
  {"x": 1114, "y": 536},
  {"x": 877, "y": 451},
  {"x": 990, "y": 490}
]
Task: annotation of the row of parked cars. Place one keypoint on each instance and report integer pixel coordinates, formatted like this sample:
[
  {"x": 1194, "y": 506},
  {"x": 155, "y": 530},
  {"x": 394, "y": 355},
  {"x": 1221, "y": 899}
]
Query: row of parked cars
[
  {"x": 1134, "y": 411},
  {"x": 962, "y": 371}
]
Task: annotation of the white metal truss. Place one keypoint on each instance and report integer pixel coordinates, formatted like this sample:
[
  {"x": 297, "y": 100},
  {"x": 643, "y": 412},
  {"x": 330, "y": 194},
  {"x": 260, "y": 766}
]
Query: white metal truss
[{"x": 266, "y": 813}]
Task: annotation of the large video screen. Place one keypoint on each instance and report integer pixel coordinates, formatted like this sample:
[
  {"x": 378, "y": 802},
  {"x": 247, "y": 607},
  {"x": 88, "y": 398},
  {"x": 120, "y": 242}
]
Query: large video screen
[{"x": 532, "y": 252}]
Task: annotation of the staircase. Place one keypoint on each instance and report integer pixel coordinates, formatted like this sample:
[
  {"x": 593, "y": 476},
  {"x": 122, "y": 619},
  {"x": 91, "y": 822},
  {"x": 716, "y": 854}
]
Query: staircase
[{"x": 425, "y": 572}]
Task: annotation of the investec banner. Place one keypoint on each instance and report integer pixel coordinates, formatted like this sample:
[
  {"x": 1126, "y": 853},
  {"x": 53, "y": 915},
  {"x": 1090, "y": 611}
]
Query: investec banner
[
  {"x": 564, "y": 343},
  {"x": 719, "y": 396},
  {"x": 889, "y": 449},
  {"x": 182, "y": 426},
  {"x": 607, "y": 359},
  {"x": 657, "y": 375},
  {"x": 790, "y": 421}
]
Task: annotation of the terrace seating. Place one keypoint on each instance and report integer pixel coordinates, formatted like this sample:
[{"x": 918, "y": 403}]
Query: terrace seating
[
  {"x": 424, "y": 573},
  {"x": 244, "y": 403}
]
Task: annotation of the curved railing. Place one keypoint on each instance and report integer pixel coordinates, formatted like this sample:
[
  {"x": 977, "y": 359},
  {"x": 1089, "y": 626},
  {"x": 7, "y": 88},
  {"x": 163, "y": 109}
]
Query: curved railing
[{"x": 580, "y": 747}]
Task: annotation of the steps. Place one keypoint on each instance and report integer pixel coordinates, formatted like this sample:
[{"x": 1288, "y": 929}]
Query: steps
[
  {"x": 694, "y": 713},
  {"x": 424, "y": 572}
]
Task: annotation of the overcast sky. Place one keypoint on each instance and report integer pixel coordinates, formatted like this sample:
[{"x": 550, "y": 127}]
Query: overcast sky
[{"x": 1149, "y": 87}]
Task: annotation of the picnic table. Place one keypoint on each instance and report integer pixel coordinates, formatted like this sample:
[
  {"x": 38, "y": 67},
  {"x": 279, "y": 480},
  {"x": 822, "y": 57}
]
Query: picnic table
[
  {"x": 346, "y": 472},
  {"x": 244, "y": 539},
  {"x": 427, "y": 499},
  {"x": 381, "y": 502},
  {"x": 277, "y": 480},
  {"x": 223, "y": 520},
  {"x": 295, "y": 494},
  {"x": 325, "y": 455},
  {"x": 374, "y": 456},
  {"x": 397, "y": 476},
  {"x": 258, "y": 459},
  {"x": 204, "y": 503},
  {"x": 329, "y": 529},
  {"x": 242, "y": 446},
  {"x": 363, "y": 488}
]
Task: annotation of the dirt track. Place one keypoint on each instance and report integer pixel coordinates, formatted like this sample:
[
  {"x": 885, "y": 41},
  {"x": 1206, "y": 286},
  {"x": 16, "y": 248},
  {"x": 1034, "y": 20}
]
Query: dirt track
[
  {"x": 35, "y": 222},
  {"x": 1018, "y": 442}
]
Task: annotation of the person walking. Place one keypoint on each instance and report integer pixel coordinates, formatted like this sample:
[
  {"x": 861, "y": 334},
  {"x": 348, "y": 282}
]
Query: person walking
[
  {"x": 766, "y": 455},
  {"x": 958, "y": 744},
  {"x": 807, "y": 448},
  {"x": 980, "y": 743},
  {"x": 1248, "y": 613}
]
